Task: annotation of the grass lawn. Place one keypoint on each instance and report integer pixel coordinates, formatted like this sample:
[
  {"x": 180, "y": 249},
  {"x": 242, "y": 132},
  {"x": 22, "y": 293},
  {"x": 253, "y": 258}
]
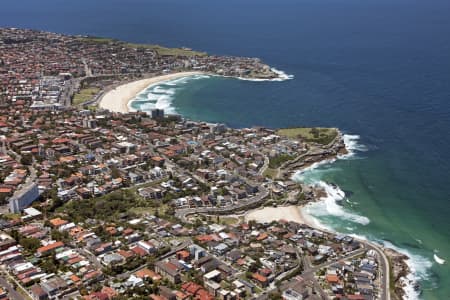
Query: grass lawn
[
  {"x": 11, "y": 216},
  {"x": 100, "y": 40},
  {"x": 168, "y": 51},
  {"x": 271, "y": 173},
  {"x": 228, "y": 220},
  {"x": 150, "y": 210},
  {"x": 277, "y": 161},
  {"x": 159, "y": 49},
  {"x": 84, "y": 95},
  {"x": 318, "y": 135}
]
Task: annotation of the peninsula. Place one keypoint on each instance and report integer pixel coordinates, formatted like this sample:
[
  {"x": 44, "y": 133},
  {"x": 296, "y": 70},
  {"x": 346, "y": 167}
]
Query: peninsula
[{"x": 101, "y": 203}]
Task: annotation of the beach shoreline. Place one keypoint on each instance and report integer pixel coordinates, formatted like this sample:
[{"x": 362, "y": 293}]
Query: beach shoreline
[
  {"x": 397, "y": 261},
  {"x": 269, "y": 214},
  {"x": 118, "y": 98}
]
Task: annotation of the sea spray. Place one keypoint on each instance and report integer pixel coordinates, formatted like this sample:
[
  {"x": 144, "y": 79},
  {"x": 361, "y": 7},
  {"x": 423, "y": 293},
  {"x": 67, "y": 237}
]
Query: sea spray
[
  {"x": 438, "y": 259},
  {"x": 353, "y": 146},
  {"x": 419, "y": 270},
  {"x": 313, "y": 173},
  {"x": 327, "y": 206},
  {"x": 327, "y": 214}
]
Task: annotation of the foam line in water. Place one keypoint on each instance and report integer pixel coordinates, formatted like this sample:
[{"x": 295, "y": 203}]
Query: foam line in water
[
  {"x": 312, "y": 174},
  {"x": 419, "y": 267},
  {"x": 439, "y": 260},
  {"x": 328, "y": 205},
  {"x": 282, "y": 76},
  {"x": 160, "y": 95},
  {"x": 352, "y": 145}
]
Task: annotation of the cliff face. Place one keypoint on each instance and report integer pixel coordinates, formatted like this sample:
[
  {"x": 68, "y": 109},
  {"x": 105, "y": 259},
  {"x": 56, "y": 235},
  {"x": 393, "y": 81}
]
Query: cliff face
[{"x": 399, "y": 271}]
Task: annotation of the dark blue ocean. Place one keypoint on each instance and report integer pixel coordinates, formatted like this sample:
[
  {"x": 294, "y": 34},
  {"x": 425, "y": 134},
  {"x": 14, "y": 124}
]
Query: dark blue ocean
[{"x": 377, "y": 69}]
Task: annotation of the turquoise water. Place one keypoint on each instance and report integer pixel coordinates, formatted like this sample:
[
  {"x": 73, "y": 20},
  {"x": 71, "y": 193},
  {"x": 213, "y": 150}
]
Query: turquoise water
[
  {"x": 379, "y": 69},
  {"x": 384, "y": 202}
]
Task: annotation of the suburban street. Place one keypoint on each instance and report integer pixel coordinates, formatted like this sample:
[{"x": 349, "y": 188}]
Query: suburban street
[
  {"x": 184, "y": 212},
  {"x": 13, "y": 294}
]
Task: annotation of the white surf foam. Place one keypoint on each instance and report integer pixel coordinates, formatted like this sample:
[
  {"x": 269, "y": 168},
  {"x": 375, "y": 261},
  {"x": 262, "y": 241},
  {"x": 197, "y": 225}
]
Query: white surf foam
[
  {"x": 161, "y": 90},
  {"x": 437, "y": 259},
  {"x": 311, "y": 174},
  {"x": 419, "y": 267},
  {"x": 160, "y": 95},
  {"x": 328, "y": 206},
  {"x": 282, "y": 76},
  {"x": 352, "y": 145},
  {"x": 352, "y": 203},
  {"x": 184, "y": 80}
]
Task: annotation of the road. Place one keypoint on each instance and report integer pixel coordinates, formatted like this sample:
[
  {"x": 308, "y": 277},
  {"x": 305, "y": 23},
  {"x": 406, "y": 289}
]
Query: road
[
  {"x": 92, "y": 258},
  {"x": 384, "y": 271},
  {"x": 13, "y": 294},
  {"x": 87, "y": 70},
  {"x": 184, "y": 245},
  {"x": 184, "y": 212},
  {"x": 383, "y": 266},
  {"x": 265, "y": 165}
]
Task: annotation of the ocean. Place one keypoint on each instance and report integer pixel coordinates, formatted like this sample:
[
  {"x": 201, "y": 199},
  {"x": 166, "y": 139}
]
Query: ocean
[{"x": 377, "y": 69}]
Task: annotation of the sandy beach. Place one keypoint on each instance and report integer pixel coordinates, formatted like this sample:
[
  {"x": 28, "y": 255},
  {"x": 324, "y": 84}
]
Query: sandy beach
[
  {"x": 117, "y": 99},
  {"x": 269, "y": 214}
]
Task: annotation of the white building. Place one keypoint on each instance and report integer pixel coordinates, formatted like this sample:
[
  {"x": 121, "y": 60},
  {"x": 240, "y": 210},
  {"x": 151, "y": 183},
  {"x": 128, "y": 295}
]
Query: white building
[{"x": 23, "y": 198}]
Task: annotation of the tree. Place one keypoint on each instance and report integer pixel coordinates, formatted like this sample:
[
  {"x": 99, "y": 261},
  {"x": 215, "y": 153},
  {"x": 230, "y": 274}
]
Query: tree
[
  {"x": 15, "y": 234},
  {"x": 26, "y": 159},
  {"x": 197, "y": 223},
  {"x": 115, "y": 173},
  {"x": 3, "y": 198},
  {"x": 50, "y": 264},
  {"x": 30, "y": 244},
  {"x": 253, "y": 267},
  {"x": 60, "y": 236},
  {"x": 315, "y": 132},
  {"x": 275, "y": 295}
]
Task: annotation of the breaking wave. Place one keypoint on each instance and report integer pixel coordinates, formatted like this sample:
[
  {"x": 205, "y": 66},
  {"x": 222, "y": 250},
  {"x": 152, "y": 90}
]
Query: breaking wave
[
  {"x": 282, "y": 76},
  {"x": 437, "y": 259},
  {"x": 353, "y": 146},
  {"x": 161, "y": 95},
  {"x": 327, "y": 214},
  {"x": 419, "y": 267},
  {"x": 328, "y": 206},
  {"x": 312, "y": 174}
]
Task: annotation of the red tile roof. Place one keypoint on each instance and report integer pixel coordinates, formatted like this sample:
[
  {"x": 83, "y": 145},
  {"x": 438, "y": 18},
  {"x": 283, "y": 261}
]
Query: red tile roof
[{"x": 50, "y": 247}]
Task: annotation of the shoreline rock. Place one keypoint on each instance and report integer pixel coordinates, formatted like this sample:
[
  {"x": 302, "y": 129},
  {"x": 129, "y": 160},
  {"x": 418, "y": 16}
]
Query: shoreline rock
[{"x": 399, "y": 271}]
